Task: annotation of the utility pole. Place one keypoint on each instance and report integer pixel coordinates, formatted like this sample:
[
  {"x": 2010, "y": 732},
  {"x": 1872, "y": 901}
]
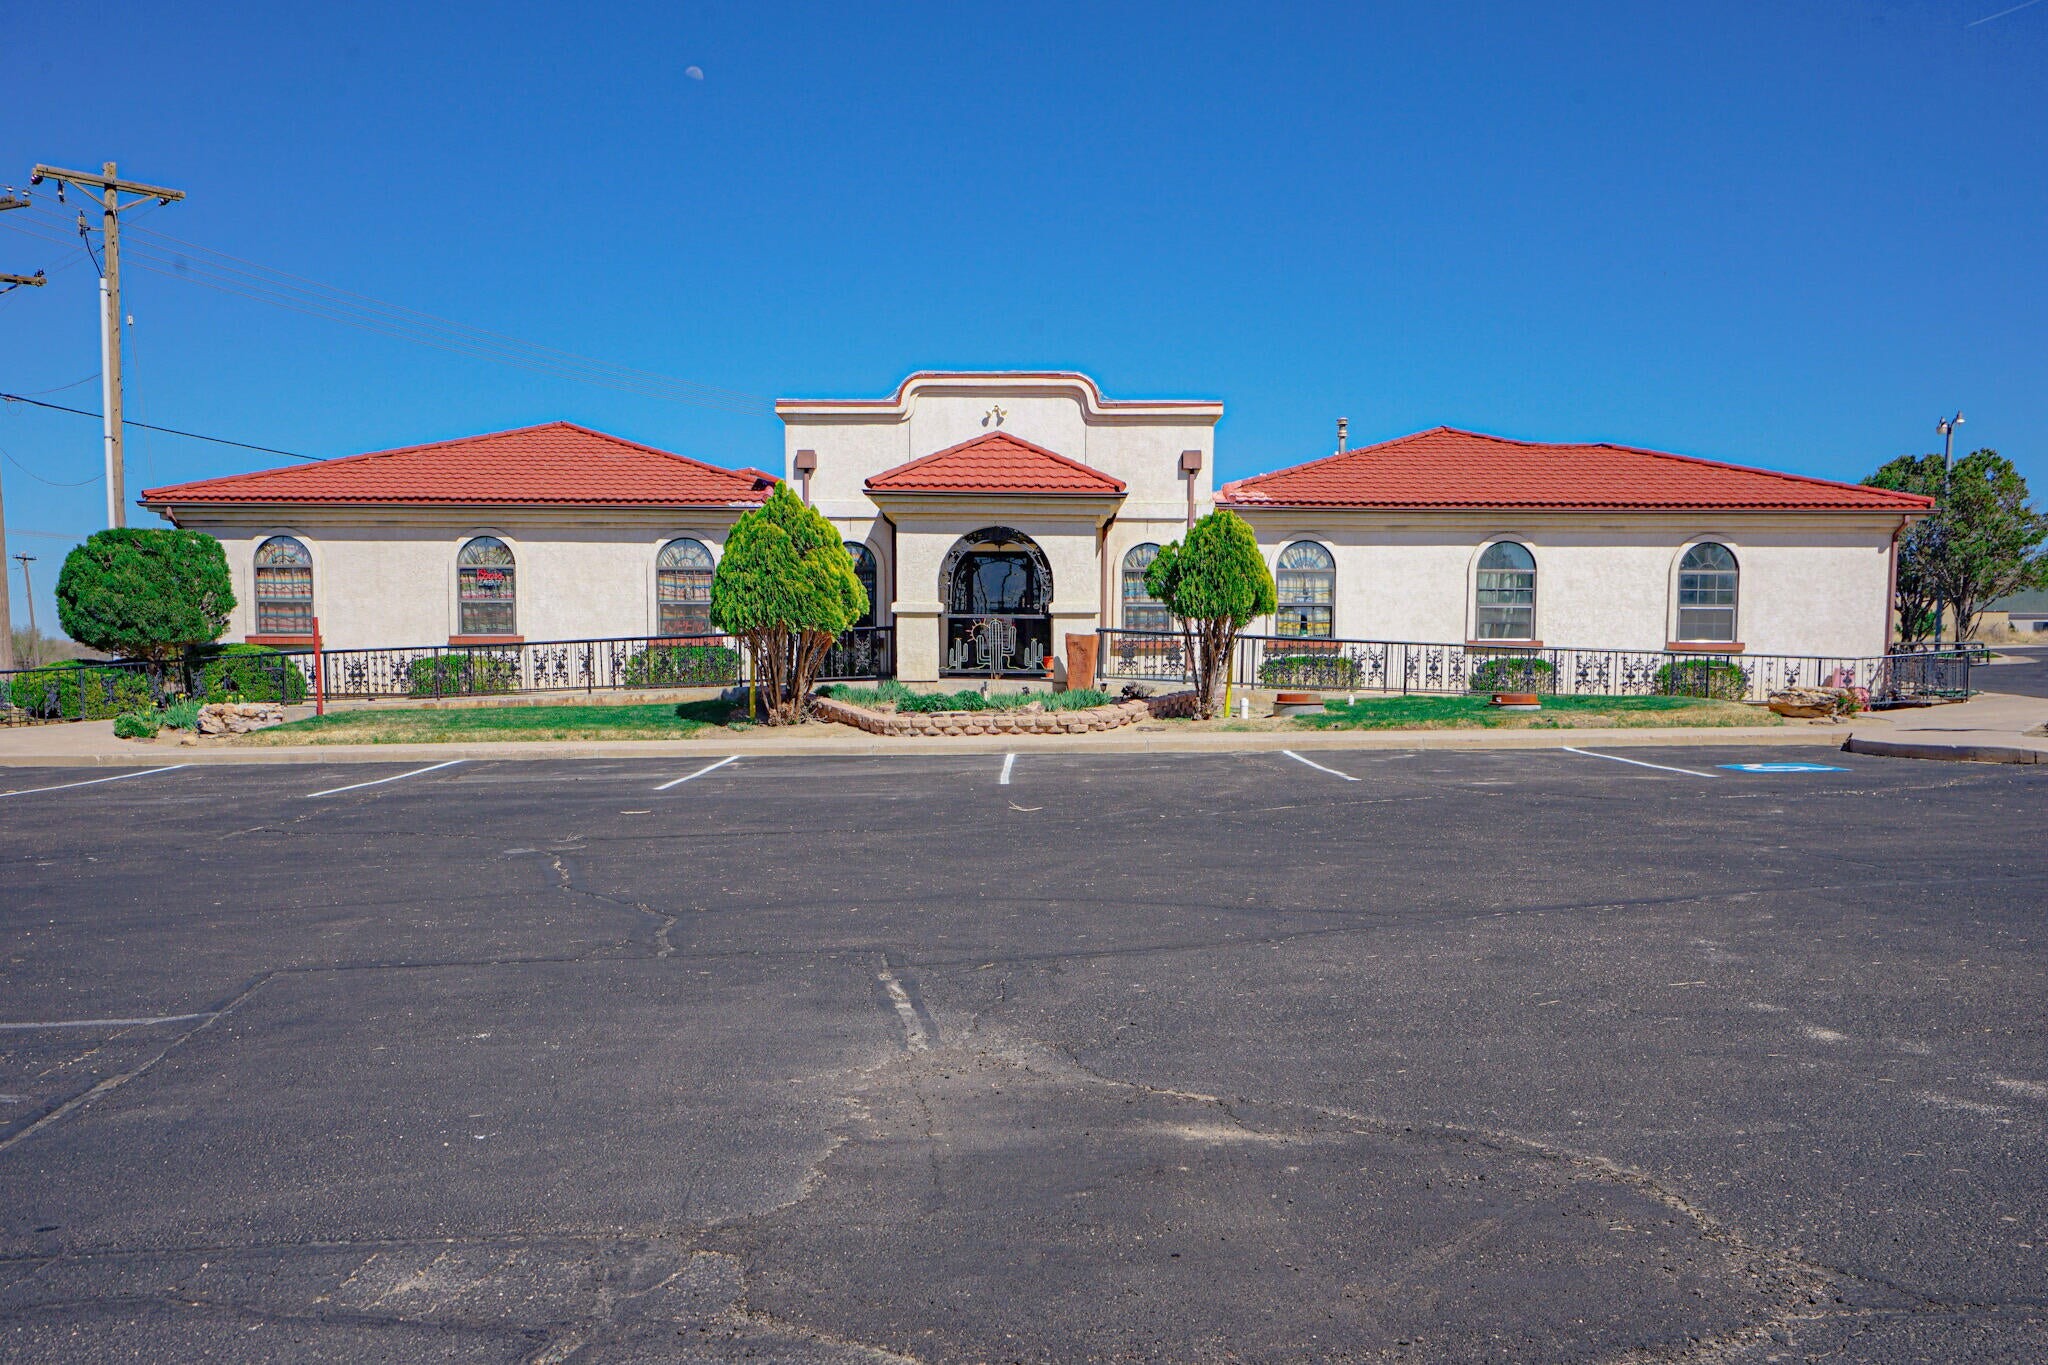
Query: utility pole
[
  {"x": 110, "y": 188},
  {"x": 9, "y": 200},
  {"x": 28, "y": 593},
  {"x": 1947, "y": 427}
]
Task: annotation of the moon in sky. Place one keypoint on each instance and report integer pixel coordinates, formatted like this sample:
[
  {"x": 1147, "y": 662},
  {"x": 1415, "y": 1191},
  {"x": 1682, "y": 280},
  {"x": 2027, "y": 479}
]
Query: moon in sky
[{"x": 695, "y": 73}]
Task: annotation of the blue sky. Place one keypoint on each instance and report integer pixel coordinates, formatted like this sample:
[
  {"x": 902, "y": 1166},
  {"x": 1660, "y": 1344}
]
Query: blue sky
[{"x": 1788, "y": 233}]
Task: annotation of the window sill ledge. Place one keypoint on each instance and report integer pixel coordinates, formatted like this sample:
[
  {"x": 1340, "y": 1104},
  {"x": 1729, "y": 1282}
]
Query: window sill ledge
[
  {"x": 280, "y": 641},
  {"x": 1702, "y": 647},
  {"x": 1504, "y": 644},
  {"x": 486, "y": 640}
]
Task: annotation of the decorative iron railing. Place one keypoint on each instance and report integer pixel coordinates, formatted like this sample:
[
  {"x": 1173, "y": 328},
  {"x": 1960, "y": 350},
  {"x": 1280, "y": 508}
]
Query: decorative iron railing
[
  {"x": 579, "y": 665},
  {"x": 1412, "y": 666},
  {"x": 99, "y": 691}
]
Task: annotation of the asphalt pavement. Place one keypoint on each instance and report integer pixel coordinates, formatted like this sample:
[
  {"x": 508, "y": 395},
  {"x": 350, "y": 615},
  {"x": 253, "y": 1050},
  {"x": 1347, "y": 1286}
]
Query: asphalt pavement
[
  {"x": 2022, "y": 671},
  {"x": 1351, "y": 1055}
]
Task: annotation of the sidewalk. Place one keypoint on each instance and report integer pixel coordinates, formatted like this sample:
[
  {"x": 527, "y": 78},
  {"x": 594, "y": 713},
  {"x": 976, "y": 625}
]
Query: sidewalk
[
  {"x": 1987, "y": 728},
  {"x": 1990, "y": 727}
]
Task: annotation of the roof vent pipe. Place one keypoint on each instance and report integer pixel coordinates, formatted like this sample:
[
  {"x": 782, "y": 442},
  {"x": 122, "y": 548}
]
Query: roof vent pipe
[{"x": 1343, "y": 433}]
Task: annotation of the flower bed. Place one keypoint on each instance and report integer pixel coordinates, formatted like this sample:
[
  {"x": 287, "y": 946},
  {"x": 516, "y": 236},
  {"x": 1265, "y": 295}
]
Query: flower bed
[{"x": 1017, "y": 722}]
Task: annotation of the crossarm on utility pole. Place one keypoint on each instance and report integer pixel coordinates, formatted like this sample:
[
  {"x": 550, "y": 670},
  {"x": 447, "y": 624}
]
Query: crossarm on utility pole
[
  {"x": 111, "y": 187},
  {"x": 106, "y": 180}
]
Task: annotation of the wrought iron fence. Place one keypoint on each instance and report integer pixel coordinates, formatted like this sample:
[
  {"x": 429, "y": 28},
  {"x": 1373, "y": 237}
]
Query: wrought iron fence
[
  {"x": 100, "y": 691},
  {"x": 863, "y": 652},
  {"x": 578, "y": 665},
  {"x": 1412, "y": 666}
]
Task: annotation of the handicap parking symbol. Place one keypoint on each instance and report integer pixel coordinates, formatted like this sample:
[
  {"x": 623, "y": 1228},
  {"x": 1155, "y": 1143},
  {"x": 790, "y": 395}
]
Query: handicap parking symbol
[{"x": 1783, "y": 768}]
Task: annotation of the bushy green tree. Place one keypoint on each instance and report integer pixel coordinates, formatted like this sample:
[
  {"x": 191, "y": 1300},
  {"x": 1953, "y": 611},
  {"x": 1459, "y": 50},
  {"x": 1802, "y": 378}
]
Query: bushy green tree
[
  {"x": 1982, "y": 542},
  {"x": 1216, "y": 581},
  {"x": 145, "y": 594},
  {"x": 786, "y": 587}
]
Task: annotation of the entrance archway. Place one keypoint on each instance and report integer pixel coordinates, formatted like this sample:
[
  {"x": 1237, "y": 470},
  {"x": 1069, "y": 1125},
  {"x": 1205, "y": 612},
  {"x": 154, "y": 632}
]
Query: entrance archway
[{"x": 997, "y": 587}]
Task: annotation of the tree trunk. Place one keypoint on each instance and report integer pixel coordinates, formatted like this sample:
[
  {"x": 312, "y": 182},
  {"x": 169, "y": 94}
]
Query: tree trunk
[{"x": 1213, "y": 645}]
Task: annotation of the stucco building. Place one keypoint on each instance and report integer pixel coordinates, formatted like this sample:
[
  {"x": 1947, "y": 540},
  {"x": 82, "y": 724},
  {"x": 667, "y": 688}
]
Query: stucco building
[{"x": 994, "y": 513}]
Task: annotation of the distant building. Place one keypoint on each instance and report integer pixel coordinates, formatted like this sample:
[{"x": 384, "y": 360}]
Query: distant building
[
  {"x": 2026, "y": 612},
  {"x": 1033, "y": 499}
]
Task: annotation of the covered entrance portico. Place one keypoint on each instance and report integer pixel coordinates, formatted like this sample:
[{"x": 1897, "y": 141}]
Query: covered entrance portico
[{"x": 997, "y": 588}]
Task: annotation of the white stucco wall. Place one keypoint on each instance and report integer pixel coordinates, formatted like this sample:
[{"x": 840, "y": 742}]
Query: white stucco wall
[
  {"x": 1138, "y": 442},
  {"x": 392, "y": 582},
  {"x": 1810, "y": 584}
]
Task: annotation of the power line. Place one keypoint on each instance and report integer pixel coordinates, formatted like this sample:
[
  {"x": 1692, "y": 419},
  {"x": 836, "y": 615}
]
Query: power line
[
  {"x": 40, "y": 479},
  {"x": 311, "y": 286},
  {"x": 297, "y": 293},
  {"x": 168, "y": 431}
]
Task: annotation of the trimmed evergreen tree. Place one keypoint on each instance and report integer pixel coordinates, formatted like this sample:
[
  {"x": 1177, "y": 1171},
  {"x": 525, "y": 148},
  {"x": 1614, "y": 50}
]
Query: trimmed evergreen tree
[
  {"x": 148, "y": 593},
  {"x": 786, "y": 588},
  {"x": 1216, "y": 581}
]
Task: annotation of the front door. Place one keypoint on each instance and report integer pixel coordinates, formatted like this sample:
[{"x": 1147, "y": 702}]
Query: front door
[{"x": 998, "y": 590}]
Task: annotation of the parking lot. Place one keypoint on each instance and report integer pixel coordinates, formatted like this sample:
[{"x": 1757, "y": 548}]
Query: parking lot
[{"x": 1367, "y": 1054}]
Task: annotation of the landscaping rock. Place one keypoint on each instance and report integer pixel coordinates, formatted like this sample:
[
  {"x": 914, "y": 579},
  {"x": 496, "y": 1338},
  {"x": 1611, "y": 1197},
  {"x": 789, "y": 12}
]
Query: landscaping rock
[
  {"x": 239, "y": 717},
  {"x": 1809, "y": 702}
]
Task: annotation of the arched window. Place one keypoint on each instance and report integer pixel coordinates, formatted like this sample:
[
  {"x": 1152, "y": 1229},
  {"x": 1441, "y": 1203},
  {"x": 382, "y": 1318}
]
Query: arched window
[
  {"x": 1307, "y": 580},
  {"x": 1706, "y": 594},
  {"x": 1507, "y": 593},
  {"x": 870, "y": 579},
  {"x": 485, "y": 589},
  {"x": 1142, "y": 611},
  {"x": 682, "y": 589},
  {"x": 284, "y": 588}
]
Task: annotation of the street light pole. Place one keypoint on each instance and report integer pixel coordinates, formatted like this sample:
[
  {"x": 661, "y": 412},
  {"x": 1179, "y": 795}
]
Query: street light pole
[{"x": 1947, "y": 427}]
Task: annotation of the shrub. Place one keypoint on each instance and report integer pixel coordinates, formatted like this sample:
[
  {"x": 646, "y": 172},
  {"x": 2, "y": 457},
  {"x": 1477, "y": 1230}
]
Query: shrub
[
  {"x": 926, "y": 702},
  {"x": 1715, "y": 678},
  {"x": 787, "y": 588},
  {"x": 135, "y": 725},
  {"x": 1215, "y": 579},
  {"x": 682, "y": 666},
  {"x": 182, "y": 714},
  {"x": 250, "y": 672},
  {"x": 1309, "y": 670},
  {"x": 1518, "y": 674},
  {"x": 464, "y": 674},
  {"x": 80, "y": 691},
  {"x": 145, "y": 594}
]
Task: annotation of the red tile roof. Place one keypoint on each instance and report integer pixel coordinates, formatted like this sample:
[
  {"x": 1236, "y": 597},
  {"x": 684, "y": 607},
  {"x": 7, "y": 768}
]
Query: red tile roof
[
  {"x": 996, "y": 463},
  {"x": 1448, "y": 468},
  {"x": 558, "y": 463}
]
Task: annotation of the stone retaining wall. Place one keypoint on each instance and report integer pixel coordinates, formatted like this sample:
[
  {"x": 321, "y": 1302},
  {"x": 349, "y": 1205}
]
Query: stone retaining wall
[{"x": 981, "y": 722}]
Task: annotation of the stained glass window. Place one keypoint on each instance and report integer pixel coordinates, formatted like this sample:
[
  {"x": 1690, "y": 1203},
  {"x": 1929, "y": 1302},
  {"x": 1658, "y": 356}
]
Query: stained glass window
[
  {"x": 486, "y": 589},
  {"x": 1307, "y": 580},
  {"x": 682, "y": 589},
  {"x": 1142, "y": 611},
  {"x": 284, "y": 588}
]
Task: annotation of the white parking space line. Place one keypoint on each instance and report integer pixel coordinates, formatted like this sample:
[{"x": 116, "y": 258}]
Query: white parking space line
[
  {"x": 92, "y": 781},
  {"x": 1317, "y": 766},
  {"x": 396, "y": 777},
  {"x": 712, "y": 768},
  {"x": 1615, "y": 758},
  {"x": 107, "y": 1023},
  {"x": 1009, "y": 765}
]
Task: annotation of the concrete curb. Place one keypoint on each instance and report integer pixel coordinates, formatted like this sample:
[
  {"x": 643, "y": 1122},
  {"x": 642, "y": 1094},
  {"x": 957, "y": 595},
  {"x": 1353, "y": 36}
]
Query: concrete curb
[
  {"x": 1952, "y": 753},
  {"x": 855, "y": 744}
]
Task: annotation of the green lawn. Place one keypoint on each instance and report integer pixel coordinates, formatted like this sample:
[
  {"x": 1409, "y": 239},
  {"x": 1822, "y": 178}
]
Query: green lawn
[
  {"x": 1558, "y": 713},
  {"x": 456, "y": 724}
]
